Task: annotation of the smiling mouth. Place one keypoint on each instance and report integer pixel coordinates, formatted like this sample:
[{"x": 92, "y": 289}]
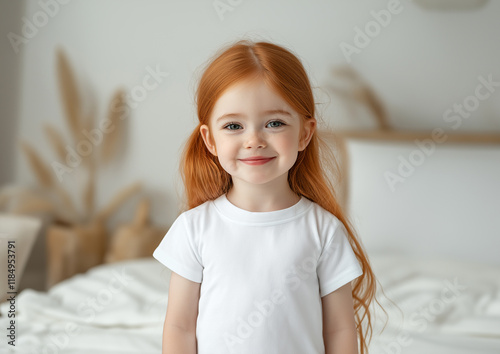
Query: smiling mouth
[{"x": 257, "y": 161}]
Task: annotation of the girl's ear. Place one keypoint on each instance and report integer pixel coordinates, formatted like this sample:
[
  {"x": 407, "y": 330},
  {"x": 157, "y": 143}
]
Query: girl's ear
[
  {"x": 209, "y": 143},
  {"x": 307, "y": 133}
]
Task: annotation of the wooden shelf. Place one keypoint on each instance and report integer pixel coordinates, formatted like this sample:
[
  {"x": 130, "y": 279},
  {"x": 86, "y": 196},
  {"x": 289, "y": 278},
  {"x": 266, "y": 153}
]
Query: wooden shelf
[{"x": 411, "y": 135}]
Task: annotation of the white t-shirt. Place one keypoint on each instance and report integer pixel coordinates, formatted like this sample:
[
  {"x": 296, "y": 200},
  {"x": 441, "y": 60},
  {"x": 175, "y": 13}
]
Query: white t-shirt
[{"x": 262, "y": 274}]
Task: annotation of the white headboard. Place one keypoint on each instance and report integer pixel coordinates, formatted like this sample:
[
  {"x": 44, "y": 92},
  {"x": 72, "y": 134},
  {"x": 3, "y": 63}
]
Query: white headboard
[{"x": 447, "y": 204}]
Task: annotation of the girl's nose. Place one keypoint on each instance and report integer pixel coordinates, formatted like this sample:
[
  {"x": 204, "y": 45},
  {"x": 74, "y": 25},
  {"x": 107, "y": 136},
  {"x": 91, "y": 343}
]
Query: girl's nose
[{"x": 255, "y": 140}]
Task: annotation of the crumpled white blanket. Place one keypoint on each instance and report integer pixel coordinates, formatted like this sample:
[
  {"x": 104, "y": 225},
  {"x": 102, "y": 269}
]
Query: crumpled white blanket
[
  {"x": 113, "y": 308},
  {"x": 443, "y": 307}
]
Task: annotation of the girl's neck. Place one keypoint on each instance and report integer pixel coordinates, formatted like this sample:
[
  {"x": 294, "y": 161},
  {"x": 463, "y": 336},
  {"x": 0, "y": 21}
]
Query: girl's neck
[{"x": 262, "y": 201}]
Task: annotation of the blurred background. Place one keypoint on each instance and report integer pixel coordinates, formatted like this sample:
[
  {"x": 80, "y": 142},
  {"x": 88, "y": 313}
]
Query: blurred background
[{"x": 97, "y": 98}]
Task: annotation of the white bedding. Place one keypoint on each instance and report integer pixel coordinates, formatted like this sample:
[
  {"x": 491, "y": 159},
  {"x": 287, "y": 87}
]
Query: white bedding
[
  {"x": 446, "y": 307},
  {"x": 120, "y": 308},
  {"x": 114, "y": 308}
]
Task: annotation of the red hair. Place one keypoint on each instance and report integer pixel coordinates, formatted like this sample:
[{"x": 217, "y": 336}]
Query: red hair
[{"x": 205, "y": 179}]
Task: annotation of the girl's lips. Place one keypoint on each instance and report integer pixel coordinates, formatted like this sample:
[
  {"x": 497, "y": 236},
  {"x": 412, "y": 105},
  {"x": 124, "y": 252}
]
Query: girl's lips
[{"x": 257, "y": 161}]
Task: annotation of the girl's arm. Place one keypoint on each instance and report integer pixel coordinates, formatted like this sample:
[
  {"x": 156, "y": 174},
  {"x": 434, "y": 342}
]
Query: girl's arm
[
  {"x": 179, "y": 330},
  {"x": 339, "y": 327}
]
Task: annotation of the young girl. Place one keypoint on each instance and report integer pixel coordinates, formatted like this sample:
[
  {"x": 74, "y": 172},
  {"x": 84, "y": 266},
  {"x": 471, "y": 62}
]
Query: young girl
[{"x": 263, "y": 259}]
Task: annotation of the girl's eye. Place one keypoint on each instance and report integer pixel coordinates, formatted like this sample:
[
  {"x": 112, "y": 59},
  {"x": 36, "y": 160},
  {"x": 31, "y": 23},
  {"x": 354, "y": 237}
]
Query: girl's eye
[
  {"x": 277, "y": 121},
  {"x": 231, "y": 124}
]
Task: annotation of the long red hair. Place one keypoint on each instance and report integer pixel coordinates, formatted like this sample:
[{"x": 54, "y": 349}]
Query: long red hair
[{"x": 205, "y": 179}]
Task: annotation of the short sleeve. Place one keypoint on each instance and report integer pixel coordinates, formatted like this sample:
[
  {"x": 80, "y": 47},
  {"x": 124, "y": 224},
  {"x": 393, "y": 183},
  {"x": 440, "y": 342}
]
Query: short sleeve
[
  {"x": 337, "y": 264},
  {"x": 178, "y": 251}
]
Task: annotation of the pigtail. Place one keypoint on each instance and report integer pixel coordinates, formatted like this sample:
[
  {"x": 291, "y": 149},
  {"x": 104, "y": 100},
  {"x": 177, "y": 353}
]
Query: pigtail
[{"x": 203, "y": 176}]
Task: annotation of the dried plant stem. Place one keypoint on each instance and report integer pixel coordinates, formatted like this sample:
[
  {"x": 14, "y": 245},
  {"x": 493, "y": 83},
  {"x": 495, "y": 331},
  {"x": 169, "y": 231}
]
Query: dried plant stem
[
  {"x": 363, "y": 93},
  {"x": 40, "y": 169},
  {"x": 46, "y": 179},
  {"x": 118, "y": 200},
  {"x": 69, "y": 93},
  {"x": 113, "y": 139},
  {"x": 89, "y": 190},
  {"x": 56, "y": 140},
  {"x": 141, "y": 217},
  {"x": 88, "y": 125},
  {"x": 68, "y": 204}
]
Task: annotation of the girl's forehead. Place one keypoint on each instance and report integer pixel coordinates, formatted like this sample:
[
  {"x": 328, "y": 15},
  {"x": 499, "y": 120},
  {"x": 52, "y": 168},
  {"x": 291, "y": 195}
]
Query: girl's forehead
[{"x": 250, "y": 96}]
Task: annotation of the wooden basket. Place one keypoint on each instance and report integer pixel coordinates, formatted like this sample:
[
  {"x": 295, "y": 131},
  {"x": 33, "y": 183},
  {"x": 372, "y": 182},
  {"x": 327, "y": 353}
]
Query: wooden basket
[{"x": 73, "y": 249}]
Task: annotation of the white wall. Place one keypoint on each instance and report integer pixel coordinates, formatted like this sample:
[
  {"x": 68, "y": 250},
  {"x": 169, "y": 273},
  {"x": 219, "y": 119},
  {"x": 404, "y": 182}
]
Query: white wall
[
  {"x": 10, "y": 73},
  {"x": 421, "y": 64}
]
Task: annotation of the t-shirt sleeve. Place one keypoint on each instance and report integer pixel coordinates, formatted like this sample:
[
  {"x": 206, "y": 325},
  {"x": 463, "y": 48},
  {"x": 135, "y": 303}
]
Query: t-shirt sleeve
[
  {"x": 337, "y": 264},
  {"x": 178, "y": 251}
]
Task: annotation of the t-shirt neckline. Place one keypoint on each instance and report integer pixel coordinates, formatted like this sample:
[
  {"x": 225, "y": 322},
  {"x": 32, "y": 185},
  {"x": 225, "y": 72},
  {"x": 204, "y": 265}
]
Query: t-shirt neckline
[{"x": 236, "y": 214}]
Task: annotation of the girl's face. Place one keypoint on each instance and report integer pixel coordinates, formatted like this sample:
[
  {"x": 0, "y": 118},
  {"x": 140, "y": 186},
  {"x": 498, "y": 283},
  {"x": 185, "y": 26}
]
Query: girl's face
[{"x": 250, "y": 120}]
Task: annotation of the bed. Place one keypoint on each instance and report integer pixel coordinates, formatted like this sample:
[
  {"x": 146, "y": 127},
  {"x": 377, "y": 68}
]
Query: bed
[
  {"x": 434, "y": 249},
  {"x": 444, "y": 307}
]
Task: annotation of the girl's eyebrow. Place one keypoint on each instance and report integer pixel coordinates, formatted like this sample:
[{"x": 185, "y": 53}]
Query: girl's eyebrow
[{"x": 269, "y": 112}]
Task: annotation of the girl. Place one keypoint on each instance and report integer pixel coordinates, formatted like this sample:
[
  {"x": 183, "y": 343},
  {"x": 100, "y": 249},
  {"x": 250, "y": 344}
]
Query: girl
[{"x": 262, "y": 261}]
